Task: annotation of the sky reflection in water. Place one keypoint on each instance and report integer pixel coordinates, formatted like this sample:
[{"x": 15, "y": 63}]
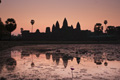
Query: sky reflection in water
[{"x": 55, "y": 62}]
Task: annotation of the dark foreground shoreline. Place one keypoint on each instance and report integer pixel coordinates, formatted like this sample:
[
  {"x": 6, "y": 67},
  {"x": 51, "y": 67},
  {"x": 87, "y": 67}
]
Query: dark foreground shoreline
[{"x": 8, "y": 44}]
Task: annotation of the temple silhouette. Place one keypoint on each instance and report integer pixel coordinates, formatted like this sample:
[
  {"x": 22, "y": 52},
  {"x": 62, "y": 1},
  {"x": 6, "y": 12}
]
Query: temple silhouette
[
  {"x": 68, "y": 33},
  {"x": 57, "y": 33},
  {"x": 60, "y": 33}
]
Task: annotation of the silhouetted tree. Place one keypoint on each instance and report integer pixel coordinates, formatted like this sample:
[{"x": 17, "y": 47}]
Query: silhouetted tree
[
  {"x": 118, "y": 30},
  {"x": 111, "y": 30},
  {"x": 98, "y": 29},
  {"x": 105, "y": 22},
  {"x": 0, "y": 1},
  {"x": 1, "y": 28},
  {"x": 78, "y": 26},
  {"x": 32, "y": 22},
  {"x": 10, "y": 24}
]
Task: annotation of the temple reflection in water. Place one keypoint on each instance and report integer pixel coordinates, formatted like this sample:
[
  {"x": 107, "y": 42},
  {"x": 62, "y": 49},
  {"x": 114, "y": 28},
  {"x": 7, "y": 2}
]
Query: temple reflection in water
[
  {"x": 53, "y": 61},
  {"x": 56, "y": 57}
]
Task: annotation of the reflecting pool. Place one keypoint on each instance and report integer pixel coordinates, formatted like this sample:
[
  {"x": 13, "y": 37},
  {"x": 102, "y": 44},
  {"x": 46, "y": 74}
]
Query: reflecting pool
[{"x": 61, "y": 62}]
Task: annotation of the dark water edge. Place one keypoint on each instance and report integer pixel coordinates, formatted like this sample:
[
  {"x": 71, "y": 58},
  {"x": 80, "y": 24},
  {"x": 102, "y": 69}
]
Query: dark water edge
[{"x": 8, "y": 44}]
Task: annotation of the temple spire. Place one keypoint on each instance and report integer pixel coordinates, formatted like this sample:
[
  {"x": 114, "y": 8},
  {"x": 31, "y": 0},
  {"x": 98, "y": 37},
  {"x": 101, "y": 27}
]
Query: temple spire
[
  {"x": 57, "y": 25},
  {"x": 65, "y": 23},
  {"x": 78, "y": 26},
  {"x": 53, "y": 28}
]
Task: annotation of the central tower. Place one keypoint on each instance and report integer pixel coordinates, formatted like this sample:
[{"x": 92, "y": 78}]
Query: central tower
[{"x": 65, "y": 24}]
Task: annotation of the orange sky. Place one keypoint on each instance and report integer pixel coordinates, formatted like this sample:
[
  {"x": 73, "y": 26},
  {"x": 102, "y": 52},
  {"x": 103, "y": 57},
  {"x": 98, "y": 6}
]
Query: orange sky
[{"x": 47, "y": 12}]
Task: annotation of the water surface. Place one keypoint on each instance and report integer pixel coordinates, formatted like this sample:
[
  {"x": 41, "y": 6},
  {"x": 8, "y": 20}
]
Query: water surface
[{"x": 54, "y": 62}]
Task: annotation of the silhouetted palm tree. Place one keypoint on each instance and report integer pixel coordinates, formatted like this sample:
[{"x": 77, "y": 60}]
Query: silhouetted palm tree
[
  {"x": 32, "y": 22},
  {"x": 105, "y": 22},
  {"x": 10, "y": 25}
]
